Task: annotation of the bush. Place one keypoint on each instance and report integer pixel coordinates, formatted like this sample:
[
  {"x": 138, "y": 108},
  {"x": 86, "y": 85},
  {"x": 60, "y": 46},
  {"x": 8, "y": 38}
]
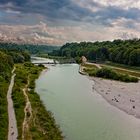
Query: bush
[
  {"x": 41, "y": 65},
  {"x": 106, "y": 73},
  {"x": 78, "y": 60},
  {"x": 110, "y": 74},
  {"x": 134, "y": 79},
  {"x": 28, "y": 64}
]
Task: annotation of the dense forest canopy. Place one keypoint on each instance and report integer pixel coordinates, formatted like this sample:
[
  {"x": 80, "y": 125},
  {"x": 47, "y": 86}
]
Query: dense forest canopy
[
  {"x": 7, "y": 60},
  {"x": 32, "y": 49},
  {"x": 11, "y": 53},
  {"x": 118, "y": 51},
  {"x": 6, "y": 64}
]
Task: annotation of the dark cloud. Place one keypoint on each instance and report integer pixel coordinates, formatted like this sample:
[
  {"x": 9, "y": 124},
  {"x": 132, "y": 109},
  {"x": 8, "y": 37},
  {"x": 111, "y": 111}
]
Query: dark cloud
[
  {"x": 14, "y": 2},
  {"x": 110, "y": 13},
  {"x": 54, "y": 10},
  {"x": 69, "y": 19}
]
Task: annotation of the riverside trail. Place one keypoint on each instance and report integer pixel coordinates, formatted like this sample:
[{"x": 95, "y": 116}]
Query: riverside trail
[{"x": 12, "y": 128}]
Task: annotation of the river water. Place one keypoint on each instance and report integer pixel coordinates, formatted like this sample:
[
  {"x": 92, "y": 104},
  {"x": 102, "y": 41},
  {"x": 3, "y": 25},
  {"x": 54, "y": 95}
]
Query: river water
[{"x": 82, "y": 113}]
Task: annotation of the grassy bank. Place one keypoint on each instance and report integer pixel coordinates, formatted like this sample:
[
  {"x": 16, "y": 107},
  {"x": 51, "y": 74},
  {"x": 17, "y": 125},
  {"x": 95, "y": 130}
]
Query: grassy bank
[
  {"x": 134, "y": 68},
  {"x": 6, "y": 65},
  {"x": 18, "y": 97},
  {"x": 108, "y": 73},
  {"x": 42, "y": 125},
  {"x": 133, "y": 71},
  {"x": 3, "y": 110}
]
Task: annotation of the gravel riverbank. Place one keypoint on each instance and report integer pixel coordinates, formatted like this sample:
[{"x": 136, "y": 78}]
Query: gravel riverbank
[{"x": 125, "y": 96}]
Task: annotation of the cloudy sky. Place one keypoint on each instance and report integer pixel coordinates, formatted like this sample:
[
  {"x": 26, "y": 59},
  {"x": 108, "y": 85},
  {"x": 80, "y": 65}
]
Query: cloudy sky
[{"x": 56, "y": 22}]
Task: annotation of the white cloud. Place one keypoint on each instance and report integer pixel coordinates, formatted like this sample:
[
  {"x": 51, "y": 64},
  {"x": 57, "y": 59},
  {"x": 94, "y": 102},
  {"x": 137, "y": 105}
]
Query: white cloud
[
  {"x": 44, "y": 34},
  {"x": 12, "y": 12},
  {"x": 95, "y": 5},
  {"x": 125, "y": 4},
  {"x": 89, "y": 4}
]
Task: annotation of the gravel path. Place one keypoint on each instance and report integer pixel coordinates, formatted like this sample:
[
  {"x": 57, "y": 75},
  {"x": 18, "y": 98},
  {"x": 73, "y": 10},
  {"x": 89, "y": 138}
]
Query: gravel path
[{"x": 12, "y": 128}]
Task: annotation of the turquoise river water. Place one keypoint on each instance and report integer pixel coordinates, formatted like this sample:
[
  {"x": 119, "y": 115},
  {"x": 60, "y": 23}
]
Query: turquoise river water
[{"x": 82, "y": 113}]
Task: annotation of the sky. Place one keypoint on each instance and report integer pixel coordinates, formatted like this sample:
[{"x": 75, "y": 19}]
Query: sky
[{"x": 56, "y": 22}]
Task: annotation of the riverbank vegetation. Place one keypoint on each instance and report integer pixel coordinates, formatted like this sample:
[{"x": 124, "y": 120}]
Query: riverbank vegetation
[
  {"x": 5, "y": 73},
  {"x": 42, "y": 124},
  {"x": 111, "y": 74},
  {"x": 134, "y": 73},
  {"x": 119, "y": 51},
  {"x": 128, "y": 67},
  {"x": 125, "y": 53},
  {"x": 7, "y": 60},
  {"x": 108, "y": 73}
]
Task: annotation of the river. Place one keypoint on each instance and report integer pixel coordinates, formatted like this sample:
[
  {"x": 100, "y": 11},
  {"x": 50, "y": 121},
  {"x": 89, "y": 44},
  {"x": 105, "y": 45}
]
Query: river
[{"x": 82, "y": 113}]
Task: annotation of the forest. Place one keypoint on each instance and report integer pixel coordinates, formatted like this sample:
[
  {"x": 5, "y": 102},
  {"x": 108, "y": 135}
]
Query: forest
[
  {"x": 7, "y": 60},
  {"x": 11, "y": 53},
  {"x": 119, "y": 51},
  {"x": 31, "y": 48}
]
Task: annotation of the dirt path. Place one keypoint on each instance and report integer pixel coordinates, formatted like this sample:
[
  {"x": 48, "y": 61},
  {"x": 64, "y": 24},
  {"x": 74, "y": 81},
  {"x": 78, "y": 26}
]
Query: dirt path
[
  {"x": 123, "y": 69},
  {"x": 12, "y": 128},
  {"x": 28, "y": 115},
  {"x": 95, "y": 64}
]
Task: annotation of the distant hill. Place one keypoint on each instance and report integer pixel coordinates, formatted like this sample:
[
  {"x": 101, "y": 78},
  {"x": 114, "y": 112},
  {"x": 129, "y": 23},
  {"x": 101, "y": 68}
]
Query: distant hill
[{"x": 32, "y": 49}]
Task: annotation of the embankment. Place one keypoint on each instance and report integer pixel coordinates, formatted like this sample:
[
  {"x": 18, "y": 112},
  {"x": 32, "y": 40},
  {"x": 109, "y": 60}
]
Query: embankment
[{"x": 41, "y": 124}]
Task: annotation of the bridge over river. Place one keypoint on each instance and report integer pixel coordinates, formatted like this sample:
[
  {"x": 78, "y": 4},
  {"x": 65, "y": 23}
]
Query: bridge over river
[{"x": 52, "y": 61}]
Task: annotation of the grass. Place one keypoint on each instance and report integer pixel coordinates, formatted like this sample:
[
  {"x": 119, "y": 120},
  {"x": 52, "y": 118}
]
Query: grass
[
  {"x": 136, "y": 74},
  {"x": 4, "y": 84},
  {"x": 111, "y": 74},
  {"x": 108, "y": 73},
  {"x": 90, "y": 69},
  {"x": 42, "y": 125},
  {"x": 124, "y": 70},
  {"x": 89, "y": 66},
  {"x": 134, "y": 68},
  {"x": 18, "y": 96},
  {"x": 3, "y": 110}
]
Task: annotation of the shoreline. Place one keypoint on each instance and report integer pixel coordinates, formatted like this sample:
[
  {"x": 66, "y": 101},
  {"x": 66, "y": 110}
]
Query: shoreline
[
  {"x": 81, "y": 70},
  {"x": 124, "y": 96},
  {"x": 42, "y": 117},
  {"x": 34, "y": 121}
]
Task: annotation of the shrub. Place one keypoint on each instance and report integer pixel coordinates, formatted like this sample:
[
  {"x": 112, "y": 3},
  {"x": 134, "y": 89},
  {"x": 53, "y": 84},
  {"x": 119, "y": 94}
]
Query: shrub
[
  {"x": 106, "y": 73},
  {"x": 110, "y": 74},
  {"x": 41, "y": 65},
  {"x": 28, "y": 64}
]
